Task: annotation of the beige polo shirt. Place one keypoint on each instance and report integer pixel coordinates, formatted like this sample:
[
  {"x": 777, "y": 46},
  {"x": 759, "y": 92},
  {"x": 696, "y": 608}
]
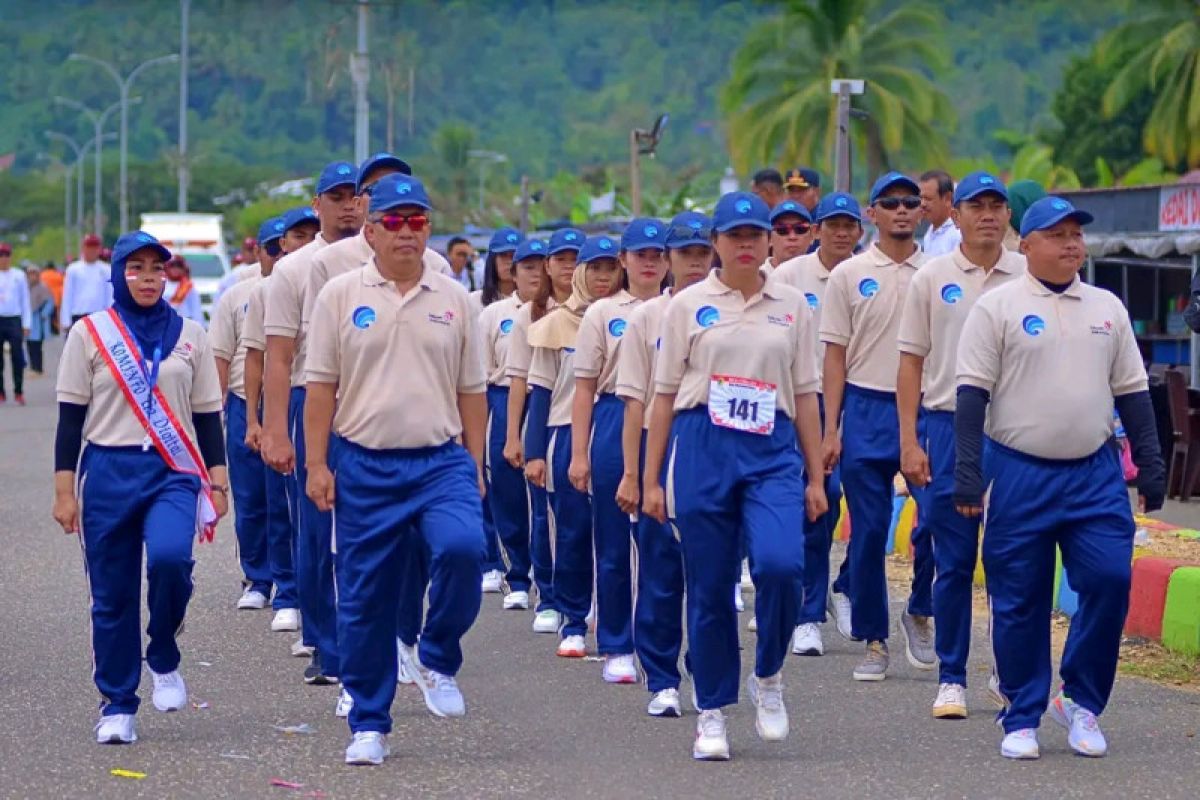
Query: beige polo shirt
[
  {"x": 709, "y": 329},
  {"x": 941, "y": 295},
  {"x": 285, "y": 301},
  {"x": 1052, "y": 363},
  {"x": 597, "y": 350},
  {"x": 496, "y": 324},
  {"x": 187, "y": 378},
  {"x": 225, "y": 331},
  {"x": 399, "y": 361},
  {"x": 253, "y": 334},
  {"x": 863, "y": 301},
  {"x": 635, "y": 370},
  {"x": 555, "y": 370},
  {"x": 520, "y": 354},
  {"x": 809, "y": 276}
]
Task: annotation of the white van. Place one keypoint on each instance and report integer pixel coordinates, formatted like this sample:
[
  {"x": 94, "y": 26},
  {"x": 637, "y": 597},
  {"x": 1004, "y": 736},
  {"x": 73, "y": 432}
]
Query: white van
[{"x": 200, "y": 239}]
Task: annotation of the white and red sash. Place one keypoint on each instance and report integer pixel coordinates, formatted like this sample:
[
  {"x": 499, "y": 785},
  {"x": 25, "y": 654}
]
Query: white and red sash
[{"x": 152, "y": 410}]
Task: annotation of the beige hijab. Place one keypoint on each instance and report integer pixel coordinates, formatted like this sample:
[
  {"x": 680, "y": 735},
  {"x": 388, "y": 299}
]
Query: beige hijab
[{"x": 559, "y": 328}]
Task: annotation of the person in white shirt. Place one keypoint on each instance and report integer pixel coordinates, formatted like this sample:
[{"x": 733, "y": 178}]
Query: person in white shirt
[
  {"x": 937, "y": 198},
  {"x": 461, "y": 256},
  {"x": 15, "y": 321},
  {"x": 86, "y": 287},
  {"x": 181, "y": 293}
]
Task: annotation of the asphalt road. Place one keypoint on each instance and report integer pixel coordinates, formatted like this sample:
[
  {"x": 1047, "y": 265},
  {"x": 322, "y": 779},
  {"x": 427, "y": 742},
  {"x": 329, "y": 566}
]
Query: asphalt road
[{"x": 537, "y": 726}]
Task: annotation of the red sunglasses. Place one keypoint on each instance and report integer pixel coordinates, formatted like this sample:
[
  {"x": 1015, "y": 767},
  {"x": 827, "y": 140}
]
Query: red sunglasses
[{"x": 394, "y": 222}]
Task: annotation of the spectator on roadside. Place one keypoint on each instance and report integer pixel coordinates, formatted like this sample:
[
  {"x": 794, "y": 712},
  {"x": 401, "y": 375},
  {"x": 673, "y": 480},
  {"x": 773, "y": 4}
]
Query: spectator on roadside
[
  {"x": 937, "y": 198},
  {"x": 768, "y": 184},
  {"x": 14, "y": 321},
  {"x": 181, "y": 293},
  {"x": 41, "y": 307},
  {"x": 86, "y": 287},
  {"x": 52, "y": 276},
  {"x": 804, "y": 186},
  {"x": 461, "y": 256}
]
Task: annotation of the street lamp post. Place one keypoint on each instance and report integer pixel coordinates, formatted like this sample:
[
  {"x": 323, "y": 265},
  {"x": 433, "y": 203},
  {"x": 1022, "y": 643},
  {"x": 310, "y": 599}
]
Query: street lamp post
[
  {"x": 68, "y": 177},
  {"x": 123, "y": 85},
  {"x": 485, "y": 157},
  {"x": 69, "y": 142},
  {"x": 642, "y": 143},
  {"x": 843, "y": 89},
  {"x": 97, "y": 121}
]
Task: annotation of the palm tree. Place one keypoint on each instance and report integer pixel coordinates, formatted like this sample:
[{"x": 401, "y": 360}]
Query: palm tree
[
  {"x": 1160, "y": 51},
  {"x": 778, "y": 98}
]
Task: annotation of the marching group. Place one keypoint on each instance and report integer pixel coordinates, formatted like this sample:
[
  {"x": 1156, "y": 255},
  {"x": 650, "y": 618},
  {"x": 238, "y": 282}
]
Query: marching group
[{"x": 706, "y": 389}]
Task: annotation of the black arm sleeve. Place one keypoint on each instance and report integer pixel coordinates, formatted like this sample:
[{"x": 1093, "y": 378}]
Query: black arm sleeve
[
  {"x": 211, "y": 438},
  {"x": 1137, "y": 415},
  {"x": 968, "y": 448},
  {"x": 68, "y": 438}
]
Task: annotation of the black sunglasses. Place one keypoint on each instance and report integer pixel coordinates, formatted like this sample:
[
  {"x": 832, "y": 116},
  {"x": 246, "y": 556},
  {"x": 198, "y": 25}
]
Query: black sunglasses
[
  {"x": 685, "y": 232},
  {"x": 892, "y": 203},
  {"x": 800, "y": 229}
]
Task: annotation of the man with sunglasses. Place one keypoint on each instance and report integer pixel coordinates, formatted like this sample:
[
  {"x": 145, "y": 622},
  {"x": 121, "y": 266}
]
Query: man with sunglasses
[
  {"x": 859, "y": 324},
  {"x": 400, "y": 471},
  {"x": 791, "y": 232},
  {"x": 340, "y": 216},
  {"x": 935, "y": 310},
  {"x": 839, "y": 224}
]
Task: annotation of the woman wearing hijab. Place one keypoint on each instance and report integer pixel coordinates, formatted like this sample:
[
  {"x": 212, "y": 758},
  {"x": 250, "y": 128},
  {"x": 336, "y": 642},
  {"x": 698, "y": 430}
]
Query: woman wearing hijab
[
  {"x": 548, "y": 436},
  {"x": 1021, "y": 195},
  {"x": 138, "y": 386},
  {"x": 41, "y": 306}
]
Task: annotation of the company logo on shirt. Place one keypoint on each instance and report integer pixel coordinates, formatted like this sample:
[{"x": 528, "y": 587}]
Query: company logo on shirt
[
  {"x": 616, "y": 327},
  {"x": 445, "y": 318},
  {"x": 707, "y": 316},
  {"x": 951, "y": 293},
  {"x": 568, "y": 350},
  {"x": 814, "y": 302},
  {"x": 784, "y": 322},
  {"x": 1033, "y": 325},
  {"x": 506, "y": 326},
  {"x": 1103, "y": 330},
  {"x": 868, "y": 287},
  {"x": 363, "y": 317}
]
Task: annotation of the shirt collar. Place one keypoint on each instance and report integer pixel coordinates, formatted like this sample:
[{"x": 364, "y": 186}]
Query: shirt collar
[
  {"x": 882, "y": 259},
  {"x": 1036, "y": 287},
  {"x": 372, "y": 277},
  {"x": 713, "y": 285},
  {"x": 944, "y": 227}
]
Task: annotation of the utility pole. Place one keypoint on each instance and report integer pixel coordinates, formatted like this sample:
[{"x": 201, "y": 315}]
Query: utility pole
[
  {"x": 843, "y": 89},
  {"x": 412, "y": 92},
  {"x": 642, "y": 143},
  {"x": 184, "y": 177},
  {"x": 360, "y": 72},
  {"x": 524, "y": 204}
]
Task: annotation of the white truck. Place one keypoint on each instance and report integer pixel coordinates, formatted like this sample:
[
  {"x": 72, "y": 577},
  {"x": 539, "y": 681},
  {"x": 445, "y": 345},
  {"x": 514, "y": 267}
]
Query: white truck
[{"x": 200, "y": 239}]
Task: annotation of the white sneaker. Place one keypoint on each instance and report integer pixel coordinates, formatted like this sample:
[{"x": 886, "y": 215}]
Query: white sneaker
[
  {"x": 620, "y": 669},
  {"x": 747, "y": 582},
  {"x": 301, "y": 650},
  {"x": 1084, "y": 734},
  {"x": 771, "y": 719},
  {"x": 807, "y": 640},
  {"x": 665, "y": 704},
  {"x": 572, "y": 647},
  {"x": 286, "y": 619},
  {"x": 951, "y": 702},
  {"x": 442, "y": 696},
  {"x": 516, "y": 600},
  {"x": 344, "y": 703},
  {"x": 251, "y": 600},
  {"x": 839, "y": 609},
  {"x": 1021, "y": 745},
  {"x": 738, "y": 601},
  {"x": 170, "y": 692},
  {"x": 368, "y": 749},
  {"x": 752, "y": 625},
  {"x": 547, "y": 621},
  {"x": 406, "y": 670},
  {"x": 491, "y": 581},
  {"x": 711, "y": 744},
  {"x": 116, "y": 729}
]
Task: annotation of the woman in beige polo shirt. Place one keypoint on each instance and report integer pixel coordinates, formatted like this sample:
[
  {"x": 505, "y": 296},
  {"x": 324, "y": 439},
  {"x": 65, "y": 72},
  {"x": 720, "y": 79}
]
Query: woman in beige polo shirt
[
  {"x": 138, "y": 384},
  {"x": 736, "y": 396}
]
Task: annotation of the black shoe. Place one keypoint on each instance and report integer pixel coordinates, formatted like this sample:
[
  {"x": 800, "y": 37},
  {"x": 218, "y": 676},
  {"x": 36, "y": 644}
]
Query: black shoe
[{"x": 314, "y": 676}]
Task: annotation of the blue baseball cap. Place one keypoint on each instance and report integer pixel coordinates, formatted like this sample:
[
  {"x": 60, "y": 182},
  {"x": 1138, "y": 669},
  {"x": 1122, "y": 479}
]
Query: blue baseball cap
[
  {"x": 567, "y": 239},
  {"x": 978, "y": 183},
  {"x": 689, "y": 228},
  {"x": 838, "y": 204},
  {"x": 375, "y": 162},
  {"x": 790, "y": 207},
  {"x": 889, "y": 180},
  {"x": 298, "y": 216},
  {"x": 597, "y": 247},
  {"x": 1048, "y": 212},
  {"x": 133, "y": 241},
  {"x": 505, "y": 240},
  {"x": 396, "y": 190},
  {"x": 644, "y": 233},
  {"x": 741, "y": 210},
  {"x": 271, "y": 230},
  {"x": 530, "y": 248},
  {"x": 335, "y": 174}
]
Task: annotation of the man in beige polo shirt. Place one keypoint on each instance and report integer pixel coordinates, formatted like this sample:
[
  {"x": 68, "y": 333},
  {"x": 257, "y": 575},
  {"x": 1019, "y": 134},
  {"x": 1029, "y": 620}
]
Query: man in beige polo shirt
[
  {"x": 942, "y": 294},
  {"x": 400, "y": 471},
  {"x": 858, "y": 326},
  {"x": 1046, "y": 358}
]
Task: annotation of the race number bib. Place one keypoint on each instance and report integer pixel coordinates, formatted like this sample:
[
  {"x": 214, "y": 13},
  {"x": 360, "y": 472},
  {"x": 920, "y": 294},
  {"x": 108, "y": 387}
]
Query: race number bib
[{"x": 742, "y": 404}]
